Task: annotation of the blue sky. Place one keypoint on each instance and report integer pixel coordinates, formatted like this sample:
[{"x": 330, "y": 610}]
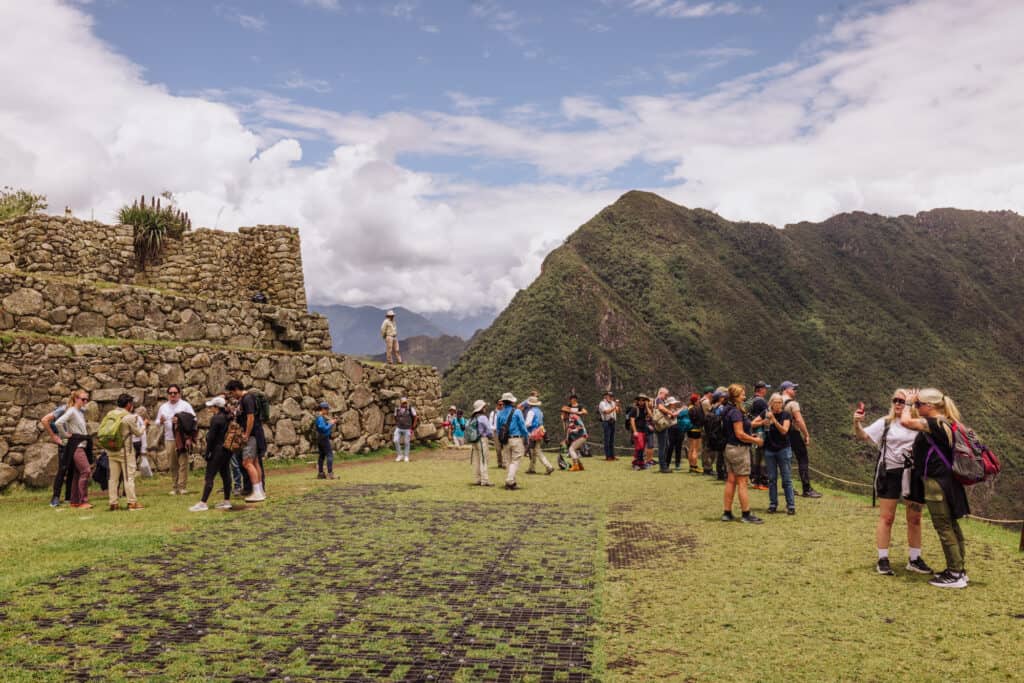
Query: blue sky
[
  {"x": 433, "y": 153},
  {"x": 452, "y": 56}
]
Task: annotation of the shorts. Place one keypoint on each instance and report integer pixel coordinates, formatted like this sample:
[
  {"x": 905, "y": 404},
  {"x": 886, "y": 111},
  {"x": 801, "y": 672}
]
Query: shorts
[
  {"x": 889, "y": 486},
  {"x": 650, "y": 441},
  {"x": 251, "y": 450},
  {"x": 737, "y": 460},
  {"x": 693, "y": 433}
]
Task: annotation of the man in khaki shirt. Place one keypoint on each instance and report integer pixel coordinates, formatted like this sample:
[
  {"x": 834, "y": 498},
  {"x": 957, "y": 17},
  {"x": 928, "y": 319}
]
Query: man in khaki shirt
[
  {"x": 124, "y": 461},
  {"x": 389, "y": 333}
]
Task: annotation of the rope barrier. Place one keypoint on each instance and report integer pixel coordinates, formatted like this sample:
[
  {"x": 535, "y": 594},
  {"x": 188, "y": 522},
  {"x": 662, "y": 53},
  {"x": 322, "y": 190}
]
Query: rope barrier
[
  {"x": 997, "y": 521},
  {"x": 851, "y": 483}
]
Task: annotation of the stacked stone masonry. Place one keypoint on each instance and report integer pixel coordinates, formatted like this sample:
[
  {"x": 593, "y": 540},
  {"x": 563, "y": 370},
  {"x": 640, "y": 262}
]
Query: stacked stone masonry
[
  {"x": 265, "y": 258},
  {"x": 187, "y": 319},
  {"x": 362, "y": 396},
  {"x": 63, "y": 307}
]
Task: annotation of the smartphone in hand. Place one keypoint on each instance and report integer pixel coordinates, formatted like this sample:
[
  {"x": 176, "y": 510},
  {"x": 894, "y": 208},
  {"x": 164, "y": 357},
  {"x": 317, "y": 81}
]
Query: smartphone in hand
[{"x": 860, "y": 407}]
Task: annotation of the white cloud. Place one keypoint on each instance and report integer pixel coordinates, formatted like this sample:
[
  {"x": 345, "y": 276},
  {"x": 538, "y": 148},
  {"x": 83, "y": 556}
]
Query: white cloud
[
  {"x": 296, "y": 80},
  {"x": 468, "y": 103},
  {"x": 250, "y": 22},
  {"x": 873, "y": 117},
  {"x": 679, "y": 9}
]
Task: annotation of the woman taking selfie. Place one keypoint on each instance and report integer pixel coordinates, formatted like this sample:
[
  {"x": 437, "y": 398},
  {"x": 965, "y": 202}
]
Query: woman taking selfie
[
  {"x": 933, "y": 479},
  {"x": 894, "y": 442}
]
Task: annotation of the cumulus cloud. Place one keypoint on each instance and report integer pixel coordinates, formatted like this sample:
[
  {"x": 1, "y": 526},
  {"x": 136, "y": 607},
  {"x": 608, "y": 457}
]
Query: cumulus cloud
[
  {"x": 679, "y": 9},
  {"x": 870, "y": 117}
]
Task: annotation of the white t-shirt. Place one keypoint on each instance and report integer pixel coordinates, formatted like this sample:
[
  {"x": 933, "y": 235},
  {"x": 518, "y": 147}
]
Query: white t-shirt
[
  {"x": 167, "y": 411},
  {"x": 607, "y": 410},
  {"x": 898, "y": 442}
]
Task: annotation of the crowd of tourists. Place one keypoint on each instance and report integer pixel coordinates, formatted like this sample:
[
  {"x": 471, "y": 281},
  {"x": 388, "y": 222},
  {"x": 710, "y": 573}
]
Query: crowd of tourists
[
  {"x": 747, "y": 442},
  {"x": 235, "y": 447}
]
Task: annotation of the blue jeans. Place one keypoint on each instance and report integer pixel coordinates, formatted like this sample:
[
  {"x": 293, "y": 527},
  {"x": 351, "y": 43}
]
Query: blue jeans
[
  {"x": 236, "y": 472},
  {"x": 323, "y": 445},
  {"x": 609, "y": 437},
  {"x": 779, "y": 461}
]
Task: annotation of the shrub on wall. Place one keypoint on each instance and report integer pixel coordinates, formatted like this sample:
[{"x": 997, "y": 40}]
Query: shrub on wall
[
  {"x": 154, "y": 225},
  {"x": 14, "y": 203}
]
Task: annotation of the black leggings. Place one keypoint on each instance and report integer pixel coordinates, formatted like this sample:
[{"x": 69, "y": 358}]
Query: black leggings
[
  {"x": 65, "y": 473},
  {"x": 802, "y": 461},
  {"x": 220, "y": 462},
  {"x": 675, "y": 446}
]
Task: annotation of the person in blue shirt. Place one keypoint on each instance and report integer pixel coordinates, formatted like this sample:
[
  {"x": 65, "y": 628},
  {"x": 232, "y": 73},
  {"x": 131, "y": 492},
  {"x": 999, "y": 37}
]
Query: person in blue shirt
[
  {"x": 324, "y": 426},
  {"x": 515, "y": 446},
  {"x": 535, "y": 427},
  {"x": 459, "y": 429}
]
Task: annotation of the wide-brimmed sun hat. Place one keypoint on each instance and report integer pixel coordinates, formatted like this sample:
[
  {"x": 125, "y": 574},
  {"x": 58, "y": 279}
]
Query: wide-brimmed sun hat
[
  {"x": 507, "y": 397},
  {"x": 479, "y": 405},
  {"x": 533, "y": 401}
]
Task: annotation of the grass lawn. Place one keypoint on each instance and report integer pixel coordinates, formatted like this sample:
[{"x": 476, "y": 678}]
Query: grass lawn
[{"x": 407, "y": 572}]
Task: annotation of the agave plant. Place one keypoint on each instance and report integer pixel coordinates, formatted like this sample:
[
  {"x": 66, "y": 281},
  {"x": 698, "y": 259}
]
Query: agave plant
[{"x": 154, "y": 225}]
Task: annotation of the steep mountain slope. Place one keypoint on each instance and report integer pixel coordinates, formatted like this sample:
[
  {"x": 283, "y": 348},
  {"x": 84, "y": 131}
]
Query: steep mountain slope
[{"x": 649, "y": 293}]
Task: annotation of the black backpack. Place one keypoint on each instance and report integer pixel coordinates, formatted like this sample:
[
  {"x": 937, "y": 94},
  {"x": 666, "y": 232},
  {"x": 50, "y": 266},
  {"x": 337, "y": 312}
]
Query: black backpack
[
  {"x": 714, "y": 427},
  {"x": 503, "y": 430},
  {"x": 187, "y": 424}
]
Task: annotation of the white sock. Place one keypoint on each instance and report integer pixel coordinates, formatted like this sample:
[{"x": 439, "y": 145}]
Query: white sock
[
  {"x": 915, "y": 554},
  {"x": 258, "y": 489},
  {"x": 883, "y": 553}
]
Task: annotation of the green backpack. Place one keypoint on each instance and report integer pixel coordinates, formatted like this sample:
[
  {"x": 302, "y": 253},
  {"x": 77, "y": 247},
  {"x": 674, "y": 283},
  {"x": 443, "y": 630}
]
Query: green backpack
[
  {"x": 472, "y": 430},
  {"x": 109, "y": 435}
]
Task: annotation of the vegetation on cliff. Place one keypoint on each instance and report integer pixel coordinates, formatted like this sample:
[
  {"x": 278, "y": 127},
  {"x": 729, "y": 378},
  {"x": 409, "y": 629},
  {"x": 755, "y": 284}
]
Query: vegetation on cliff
[{"x": 649, "y": 293}]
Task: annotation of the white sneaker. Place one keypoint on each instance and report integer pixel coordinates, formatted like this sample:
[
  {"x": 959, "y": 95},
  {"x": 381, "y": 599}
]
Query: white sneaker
[
  {"x": 406, "y": 458},
  {"x": 398, "y": 458},
  {"x": 173, "y": 493},
  {"x": 223, "y": 505},
  {"x": 256, "y": 497},
  {"x": 199, "y": 507}
]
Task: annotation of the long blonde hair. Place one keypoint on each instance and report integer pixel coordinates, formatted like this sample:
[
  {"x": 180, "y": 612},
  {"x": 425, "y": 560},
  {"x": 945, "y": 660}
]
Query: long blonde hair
[
  {"x": 735, "y": 391},
  {"x": 942, "y": 403},
  {"x": 892, "y": 406}
]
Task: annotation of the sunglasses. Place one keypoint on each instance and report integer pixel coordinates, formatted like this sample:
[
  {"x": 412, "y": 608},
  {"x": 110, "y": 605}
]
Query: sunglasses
[
  {"x": 172, "y": 393},
  {"x": 899, "y": 401},
  {"x": 918, "y": 404}
]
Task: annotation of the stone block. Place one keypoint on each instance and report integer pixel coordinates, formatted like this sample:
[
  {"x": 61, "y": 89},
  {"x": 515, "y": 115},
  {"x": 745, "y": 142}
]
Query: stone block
[
  {"x": 373, "y": 420},
  {"x": 89, "y": 325},
  {"x": 40, "y": 464},
  {"x": 285, "y": 433},
  {"x": 348, "y": 425},
  {"x": 7, "y": 474},
  {"x": 426, "y": 432},
  {"x": 26, "y": 432},
  {"x": 360, "y": 397},
  {"x": 23, "y": 301}
]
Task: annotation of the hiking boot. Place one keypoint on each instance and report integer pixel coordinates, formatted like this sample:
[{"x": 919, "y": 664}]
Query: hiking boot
[
  {"x": 948, "y": 579},
  {"x": 199, "y": 507},
  {"x": 919, "y": 566},
  {"x": 135, "y": 506},
  {"x": 727, "y": 517},
  {"x": 575, "y": 467},
  {"x": 811, "y": 493},
  {"x": 550, "y": 469},
  {"x": 751, "y": 518},
  {"x": 790, "y": 511},
  {"x": 511, "y": 486},
  {"x": 772, "y": 510},
  {"x": 113, "y": 507},
  {"x": 330, "y": 475},
  {"x": 321, "y": 475},
  {"x": 883, "y": 567},
  {"x": 580, "y": 466}
]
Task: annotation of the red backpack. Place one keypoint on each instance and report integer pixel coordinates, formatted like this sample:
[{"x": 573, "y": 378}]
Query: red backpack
[{"x": 973, "y": 462}]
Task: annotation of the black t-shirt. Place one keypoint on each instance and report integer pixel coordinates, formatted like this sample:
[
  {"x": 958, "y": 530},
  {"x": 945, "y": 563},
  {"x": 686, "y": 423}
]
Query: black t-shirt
[
  {"x": 773, "y": 439},
  {"x": 215, "y": 436},
  {"x": 933, "y": 467},
  {"x": 640, "y": 416},
  {"x": 248, "y": 406},
  {"x": 733, "y": 415}
]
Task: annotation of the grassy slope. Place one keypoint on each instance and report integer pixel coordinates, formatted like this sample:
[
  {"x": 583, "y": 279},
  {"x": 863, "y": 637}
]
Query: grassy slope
[
  {"x": 650, "y": 293},
  {"x": 795, "y": 599}
]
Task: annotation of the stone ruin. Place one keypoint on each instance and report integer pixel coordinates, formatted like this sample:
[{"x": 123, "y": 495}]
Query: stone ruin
[{"x": 76, "y": 311}]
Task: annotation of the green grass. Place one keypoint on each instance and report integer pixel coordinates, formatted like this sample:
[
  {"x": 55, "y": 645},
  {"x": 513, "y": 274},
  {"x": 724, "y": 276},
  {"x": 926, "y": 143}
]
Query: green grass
[{"x": 359, "y": 579}]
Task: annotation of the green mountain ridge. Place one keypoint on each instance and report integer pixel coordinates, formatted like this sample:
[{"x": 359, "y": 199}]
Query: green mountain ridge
[{"x": 649, "y": 293}]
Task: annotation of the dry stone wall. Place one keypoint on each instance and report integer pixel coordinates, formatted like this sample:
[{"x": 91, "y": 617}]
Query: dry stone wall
[
  {"x": 265, "y": 258},
  {"x": 362, "y": 396},
  {"x": 65, "y": 307}
]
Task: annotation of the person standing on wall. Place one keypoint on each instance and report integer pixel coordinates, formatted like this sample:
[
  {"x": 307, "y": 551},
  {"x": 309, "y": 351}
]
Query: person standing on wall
[
  {"x": 406, "y": 421},
  {"x": 253, "y": 437},
  {"x": 609, "y": 409},
  {"x": 389, "y": 333},
  {"x": 799, "y": 438},
  {"x": 178, "y": 461}
]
